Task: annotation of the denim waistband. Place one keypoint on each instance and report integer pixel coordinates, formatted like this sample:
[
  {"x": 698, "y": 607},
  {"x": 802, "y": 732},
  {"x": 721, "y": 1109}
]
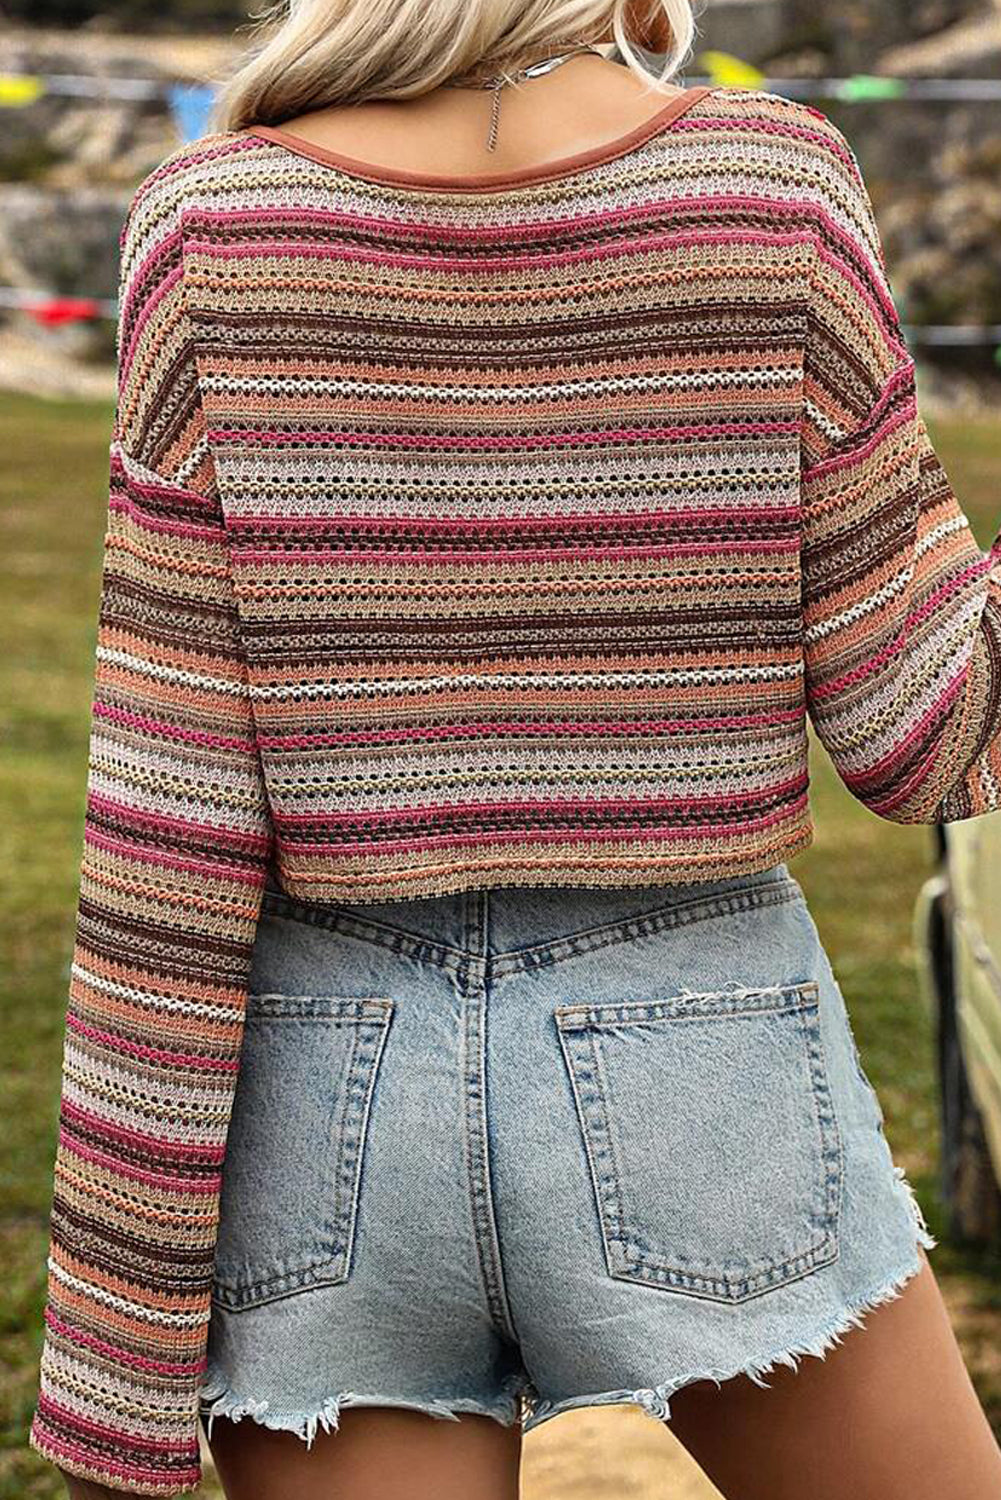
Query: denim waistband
[{"x": 510, "y": 928}]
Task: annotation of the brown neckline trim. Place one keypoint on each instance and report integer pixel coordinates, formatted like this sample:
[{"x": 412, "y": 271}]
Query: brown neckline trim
[{"x": 562, "y": 166}]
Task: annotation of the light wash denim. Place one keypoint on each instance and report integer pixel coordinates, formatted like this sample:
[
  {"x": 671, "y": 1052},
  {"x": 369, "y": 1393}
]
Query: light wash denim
[{"x": 521, "y": 1150}]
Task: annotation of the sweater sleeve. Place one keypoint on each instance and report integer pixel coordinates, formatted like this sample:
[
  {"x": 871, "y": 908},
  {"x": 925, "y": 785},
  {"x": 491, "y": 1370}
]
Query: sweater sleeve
[
  {"x": 176, "y": 840},
  {"x": 901, "y": 608}
]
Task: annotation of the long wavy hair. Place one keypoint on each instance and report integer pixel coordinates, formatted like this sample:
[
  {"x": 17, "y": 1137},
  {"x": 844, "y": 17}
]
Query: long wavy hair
[{"x": 313, "y": 54}]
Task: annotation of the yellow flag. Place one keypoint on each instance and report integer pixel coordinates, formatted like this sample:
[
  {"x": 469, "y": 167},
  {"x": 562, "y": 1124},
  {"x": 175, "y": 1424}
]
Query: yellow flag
[
  {"x": 19, "y": 88},
  {"x": 729, "y": 71}
]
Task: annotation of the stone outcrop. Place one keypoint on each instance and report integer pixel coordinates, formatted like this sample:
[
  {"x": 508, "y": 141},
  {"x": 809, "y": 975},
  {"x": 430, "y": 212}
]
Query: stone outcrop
[{"x": 850, "y": 36}]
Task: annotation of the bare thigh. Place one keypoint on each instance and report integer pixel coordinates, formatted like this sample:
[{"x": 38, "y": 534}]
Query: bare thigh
[
  {"x": 377, "y": 1453},
  {"x": 889, "y": 1413}
]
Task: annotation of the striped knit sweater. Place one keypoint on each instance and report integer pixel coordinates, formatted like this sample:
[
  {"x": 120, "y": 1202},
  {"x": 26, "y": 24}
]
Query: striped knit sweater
[{"x": 469, "y": 532}]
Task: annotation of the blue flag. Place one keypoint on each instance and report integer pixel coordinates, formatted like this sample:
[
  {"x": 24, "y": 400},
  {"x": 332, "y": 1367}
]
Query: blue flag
[{"x": 190, "y": 104}]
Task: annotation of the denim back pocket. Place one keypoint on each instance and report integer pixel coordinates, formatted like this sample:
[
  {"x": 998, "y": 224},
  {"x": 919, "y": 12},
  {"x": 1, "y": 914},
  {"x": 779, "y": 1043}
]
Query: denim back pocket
[
  {"x": 710, "y": 1131},
  {"x": 296, "y": 1141}
]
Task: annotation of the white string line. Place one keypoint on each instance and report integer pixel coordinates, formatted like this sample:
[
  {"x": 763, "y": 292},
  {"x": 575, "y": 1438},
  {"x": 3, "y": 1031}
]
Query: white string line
[{"x": 82, "y": 85}]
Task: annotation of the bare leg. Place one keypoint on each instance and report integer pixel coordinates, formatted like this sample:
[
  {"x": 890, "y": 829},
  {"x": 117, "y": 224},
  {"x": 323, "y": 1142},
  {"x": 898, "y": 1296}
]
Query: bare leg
[
  {"x": 377, "y": 1453},
  {"x": 890, "y": 1413}
]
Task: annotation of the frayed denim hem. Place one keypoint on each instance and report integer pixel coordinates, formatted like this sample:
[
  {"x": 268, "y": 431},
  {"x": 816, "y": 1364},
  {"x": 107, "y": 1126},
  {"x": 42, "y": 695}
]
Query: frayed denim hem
[
  {"x": 521, "y": 1402},
  {"x": 655, "y": 1401},
  {"x": 218, "y": 1400}
]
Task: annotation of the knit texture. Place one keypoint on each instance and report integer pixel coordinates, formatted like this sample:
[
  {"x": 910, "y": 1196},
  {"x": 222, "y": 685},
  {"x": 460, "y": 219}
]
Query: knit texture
[{"x": 467, "y": 537}]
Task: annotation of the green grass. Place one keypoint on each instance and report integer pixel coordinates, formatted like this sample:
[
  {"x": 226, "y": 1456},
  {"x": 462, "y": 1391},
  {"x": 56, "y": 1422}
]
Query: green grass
[{"x": 861, "y": 877}]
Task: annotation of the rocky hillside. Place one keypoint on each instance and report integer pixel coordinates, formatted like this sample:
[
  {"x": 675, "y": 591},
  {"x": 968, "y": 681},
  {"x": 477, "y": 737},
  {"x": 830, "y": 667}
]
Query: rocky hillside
[
  {"x": 68, "y": 164},
  {"x": 792, "y": 37},
  {"x": 934, "y": 168}
]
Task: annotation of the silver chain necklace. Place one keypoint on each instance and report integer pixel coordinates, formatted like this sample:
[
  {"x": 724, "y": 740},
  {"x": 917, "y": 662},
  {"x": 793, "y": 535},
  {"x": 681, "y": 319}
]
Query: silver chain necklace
[{"x": 534, "y": 70}]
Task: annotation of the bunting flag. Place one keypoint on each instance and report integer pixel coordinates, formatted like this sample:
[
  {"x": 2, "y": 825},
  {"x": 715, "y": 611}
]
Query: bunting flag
[
  {"x": 727, "y": 71},
  {"x": 18, "y": 89},
  {"x": 865, "y": 86},
  {"x": 52, "y": 308},
  {"x": 55, "y": 310},
  {"x": 190, "y": 106}
]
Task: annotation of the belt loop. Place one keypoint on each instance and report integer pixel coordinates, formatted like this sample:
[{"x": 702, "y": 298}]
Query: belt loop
[
  {"x": 478, "y": 943},
  {"x": 470, "y": 922},
  {"x": 476, "y": 938}
]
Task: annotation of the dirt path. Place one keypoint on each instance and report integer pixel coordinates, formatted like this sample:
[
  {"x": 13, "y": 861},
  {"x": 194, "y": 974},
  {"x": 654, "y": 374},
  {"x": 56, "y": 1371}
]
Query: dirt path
[{"x": 610, "y": 1453}]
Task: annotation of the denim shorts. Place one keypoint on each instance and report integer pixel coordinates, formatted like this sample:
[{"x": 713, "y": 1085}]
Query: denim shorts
[{"x": 519, "y": 1150}]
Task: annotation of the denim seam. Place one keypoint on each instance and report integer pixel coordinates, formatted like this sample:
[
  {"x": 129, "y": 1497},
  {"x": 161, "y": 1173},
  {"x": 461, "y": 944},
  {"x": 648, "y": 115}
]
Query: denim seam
[
  {"x": 584, "y": 1097},
  {"x": 345, "y": 1117},
  {"x": 353, "y": 1170},
  {"x": 663, "y": 918},
  {"x": 603, "y": 1093},
  {"x": 500, "y": 966},
  {"x": 473, "y": 991},
  {"x": 686, "y": 1009},
  {"x": 856, "y": 1055},
  {"x": 409, "y": 945},
  {"x": 236, "y": 1298},
  {"x": 258, "y": 1008},
  {"x": 834, "y": 1146}
]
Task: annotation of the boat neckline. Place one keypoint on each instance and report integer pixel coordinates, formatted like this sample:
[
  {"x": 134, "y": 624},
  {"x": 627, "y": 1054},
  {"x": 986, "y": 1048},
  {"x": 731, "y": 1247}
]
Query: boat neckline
[{"x": 562, "y": 166}]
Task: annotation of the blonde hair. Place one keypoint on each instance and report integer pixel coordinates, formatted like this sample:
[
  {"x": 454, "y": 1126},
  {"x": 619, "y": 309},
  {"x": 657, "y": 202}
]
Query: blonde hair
[{"x": 313, "y": 54}]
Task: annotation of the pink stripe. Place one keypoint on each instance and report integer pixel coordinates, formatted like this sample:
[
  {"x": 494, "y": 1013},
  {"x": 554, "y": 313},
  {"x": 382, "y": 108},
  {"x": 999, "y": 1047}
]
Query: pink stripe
[
  {"x": 207, "y": 1186},
  {"x": 152, "y": 1054},
  {"x": 525, "y": 231},
  {"x": 211, "y": 1155},
  {"x": 837, "y": 684},
  {"x": 124, "y": 505},
  {"x": 180, "y": 162},
  {"x": 134, "y": 1473},
  {"x": 887, "y": 763},
  {"x": 159, "y": 729},
  {"x": 885, "y": 805},
  {"x": 757, "y": 125},
  {"x": 141, "y": 277},
  {"x": 896, "y": 419},
  {"x": 475, "y": 264},
  {"x": 161, "y": 860},
  {"x": 121, "y": 1356},
  {"x": 120, "y": 1436},
  {"x": 251, "y": 843},
  {"x": 878, "y": 300}
]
